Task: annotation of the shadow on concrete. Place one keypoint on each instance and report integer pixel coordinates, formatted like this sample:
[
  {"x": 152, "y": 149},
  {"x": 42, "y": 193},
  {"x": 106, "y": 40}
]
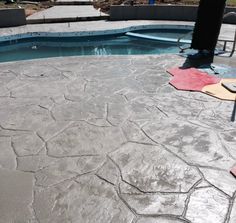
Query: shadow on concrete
[{"x": 205, "y": 62}]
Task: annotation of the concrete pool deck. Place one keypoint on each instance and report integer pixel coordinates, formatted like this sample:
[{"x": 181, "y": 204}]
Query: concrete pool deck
[
  {"x": 67, "y": 13},
  {"x": 227, "y": 30},
  {"x": 107, "y": 139}
]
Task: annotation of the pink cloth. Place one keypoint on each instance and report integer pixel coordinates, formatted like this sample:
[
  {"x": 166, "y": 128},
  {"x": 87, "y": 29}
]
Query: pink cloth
[{"x": 191, "y": 79}]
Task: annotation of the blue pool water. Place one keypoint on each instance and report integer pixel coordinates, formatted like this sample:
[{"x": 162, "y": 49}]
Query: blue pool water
[{"x": 44, "y": 47}]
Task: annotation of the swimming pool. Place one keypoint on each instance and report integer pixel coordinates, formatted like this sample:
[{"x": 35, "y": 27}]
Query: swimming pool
[{"x": 113, "y": 44}]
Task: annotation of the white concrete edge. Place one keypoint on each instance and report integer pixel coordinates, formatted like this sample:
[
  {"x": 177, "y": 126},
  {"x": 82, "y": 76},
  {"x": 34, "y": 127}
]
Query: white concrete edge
[{"x": 91, "y": 33}]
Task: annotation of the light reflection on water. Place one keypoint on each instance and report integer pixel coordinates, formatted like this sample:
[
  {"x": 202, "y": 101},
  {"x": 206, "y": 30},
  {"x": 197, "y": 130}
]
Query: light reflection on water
[{"x": 44, "y": 47}]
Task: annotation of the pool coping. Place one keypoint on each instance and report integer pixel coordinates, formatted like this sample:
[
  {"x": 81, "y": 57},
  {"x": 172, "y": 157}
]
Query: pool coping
[{"x": 92, "y": 33}]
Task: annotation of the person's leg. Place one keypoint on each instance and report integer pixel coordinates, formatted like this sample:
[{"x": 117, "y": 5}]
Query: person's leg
[{"x": 207, "y": 26}]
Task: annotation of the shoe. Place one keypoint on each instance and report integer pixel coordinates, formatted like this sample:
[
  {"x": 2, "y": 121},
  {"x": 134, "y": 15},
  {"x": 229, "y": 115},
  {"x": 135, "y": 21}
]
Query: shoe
[{"x": 202, "y": 54}]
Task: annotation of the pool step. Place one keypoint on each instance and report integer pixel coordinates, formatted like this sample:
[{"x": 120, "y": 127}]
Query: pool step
[{"x": 157, "y": 38}]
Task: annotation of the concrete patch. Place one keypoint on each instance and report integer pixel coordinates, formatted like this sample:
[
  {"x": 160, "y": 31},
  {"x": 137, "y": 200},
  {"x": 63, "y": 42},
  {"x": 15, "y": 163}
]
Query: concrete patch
[{"x": 16, "y": 196}]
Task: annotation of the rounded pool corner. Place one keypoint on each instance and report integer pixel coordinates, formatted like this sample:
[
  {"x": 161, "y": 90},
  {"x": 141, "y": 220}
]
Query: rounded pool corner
[{"x": 38, "y": 45}]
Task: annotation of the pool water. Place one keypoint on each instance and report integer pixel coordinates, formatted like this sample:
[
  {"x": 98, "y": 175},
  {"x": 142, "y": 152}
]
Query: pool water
[{"x": 45, "y": 47}]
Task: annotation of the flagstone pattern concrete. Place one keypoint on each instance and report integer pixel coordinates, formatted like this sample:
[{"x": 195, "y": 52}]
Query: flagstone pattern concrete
[{"x": 107, "y": 139}]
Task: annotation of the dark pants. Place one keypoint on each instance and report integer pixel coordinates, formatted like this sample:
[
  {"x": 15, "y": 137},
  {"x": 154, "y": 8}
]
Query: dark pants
[{"x": 208, "y": 23}]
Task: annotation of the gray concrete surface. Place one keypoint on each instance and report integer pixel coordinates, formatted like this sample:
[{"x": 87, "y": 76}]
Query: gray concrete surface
[
  {"x": 92, "y": 26},
  {"x": 227, "y": 31},
  {"x": 66, "y": 13},
  {"x": 107, "y": 139}
]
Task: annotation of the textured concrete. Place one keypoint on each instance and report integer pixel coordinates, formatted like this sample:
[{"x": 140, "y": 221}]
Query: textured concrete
[
  {"x": 107, "y": 139},
  {"x": 16, "y": 196}
]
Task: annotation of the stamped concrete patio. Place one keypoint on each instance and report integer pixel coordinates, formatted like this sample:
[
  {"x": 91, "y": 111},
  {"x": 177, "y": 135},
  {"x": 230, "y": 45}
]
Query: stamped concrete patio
[{"x": 107, "y": 139}]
